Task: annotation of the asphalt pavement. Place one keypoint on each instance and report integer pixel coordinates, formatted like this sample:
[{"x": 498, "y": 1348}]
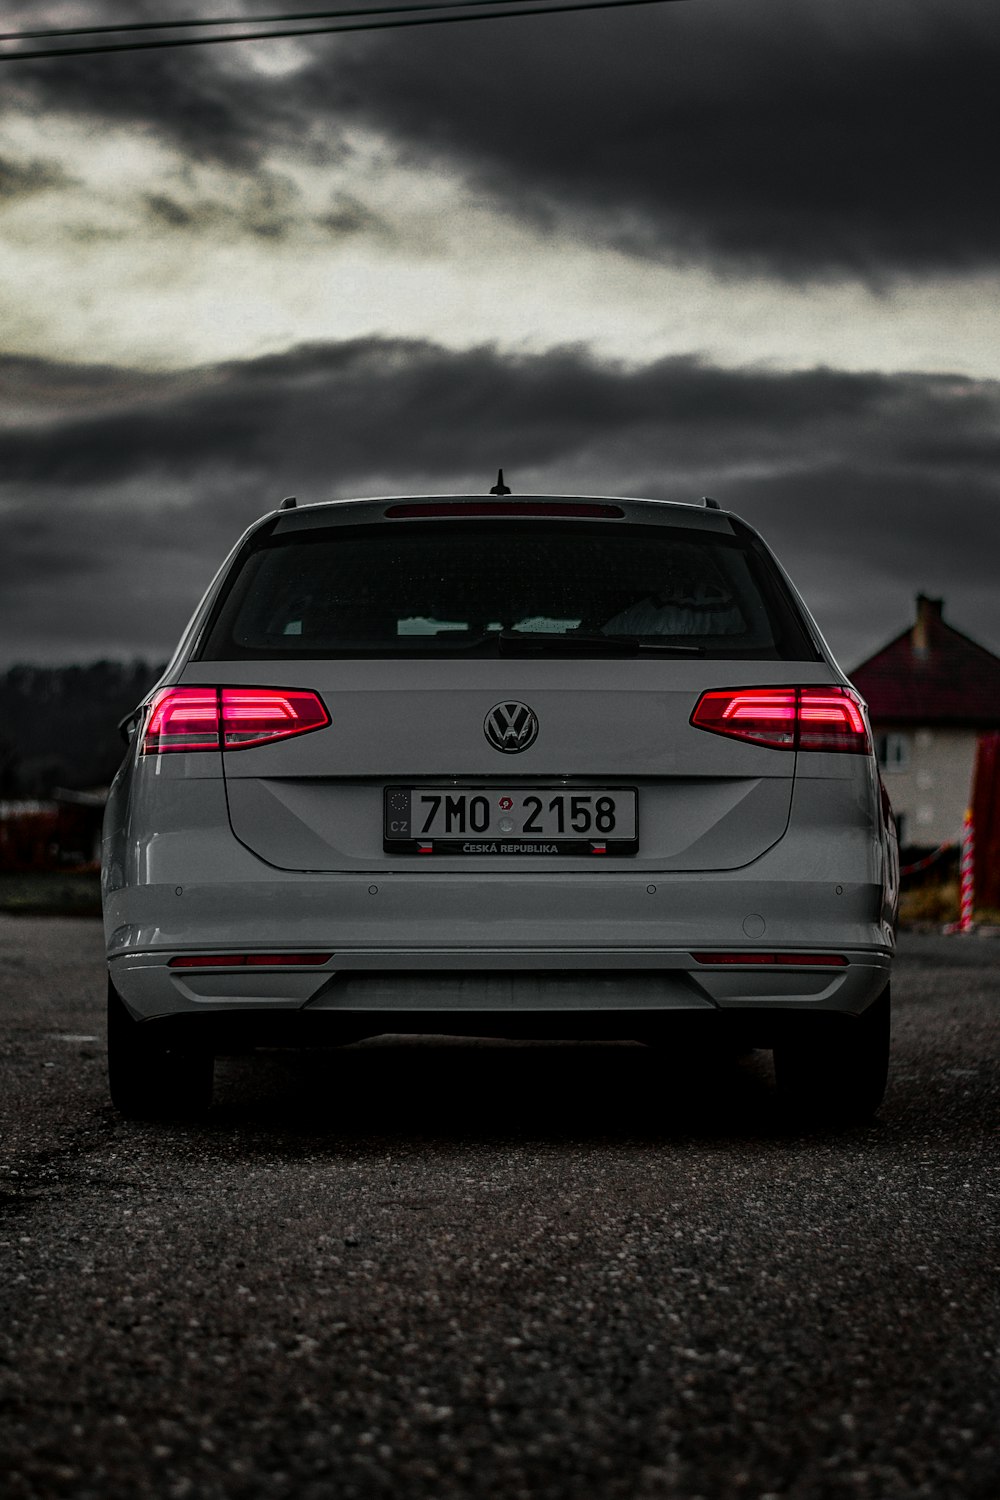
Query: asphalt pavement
[{"x": 442, "y": 1268}]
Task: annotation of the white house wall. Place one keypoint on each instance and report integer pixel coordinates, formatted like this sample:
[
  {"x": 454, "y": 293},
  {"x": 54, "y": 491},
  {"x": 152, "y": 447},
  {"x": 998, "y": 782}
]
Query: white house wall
[{"x": 931, "y": 792}]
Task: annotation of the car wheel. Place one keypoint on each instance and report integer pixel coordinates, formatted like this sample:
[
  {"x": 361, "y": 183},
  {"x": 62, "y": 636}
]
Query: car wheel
[
  {"x": 836, "y": 1071},
  {"x": 149, "y": 1079}
]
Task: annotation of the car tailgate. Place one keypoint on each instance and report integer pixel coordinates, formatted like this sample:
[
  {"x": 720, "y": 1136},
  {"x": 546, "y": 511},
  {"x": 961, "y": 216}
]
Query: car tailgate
[{"x": 315, "y": 802}]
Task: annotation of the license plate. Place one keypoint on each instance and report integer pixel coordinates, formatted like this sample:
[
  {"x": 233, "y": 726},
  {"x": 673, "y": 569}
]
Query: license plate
[{"x": 511, "y": 820}]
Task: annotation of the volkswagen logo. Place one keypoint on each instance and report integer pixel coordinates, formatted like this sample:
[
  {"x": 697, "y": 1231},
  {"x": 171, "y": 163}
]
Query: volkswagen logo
[{"x": 510, "y": 727}]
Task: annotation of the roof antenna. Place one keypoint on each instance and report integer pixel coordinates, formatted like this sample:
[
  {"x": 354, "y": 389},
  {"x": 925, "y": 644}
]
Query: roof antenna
[
  {"x": 709, "y": 503},
  {"x": 288, "y": 503},
  {"x": 500, "y": 488}
]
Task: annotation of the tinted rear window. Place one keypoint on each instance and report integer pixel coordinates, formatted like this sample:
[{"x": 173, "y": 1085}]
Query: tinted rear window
[{"x": 451, "y": 588}]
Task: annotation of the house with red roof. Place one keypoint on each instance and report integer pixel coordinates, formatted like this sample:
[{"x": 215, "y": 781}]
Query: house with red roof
[{"x": 934, "y": 699}]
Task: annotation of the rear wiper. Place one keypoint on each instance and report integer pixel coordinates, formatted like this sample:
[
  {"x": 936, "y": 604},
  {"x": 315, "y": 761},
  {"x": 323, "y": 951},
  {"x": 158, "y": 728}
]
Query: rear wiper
[
  {"x": 553, "y": 643},
  {"x": 670, "y": 649}
]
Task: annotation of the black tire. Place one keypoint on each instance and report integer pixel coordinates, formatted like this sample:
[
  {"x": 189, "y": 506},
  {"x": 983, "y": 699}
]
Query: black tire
[
  {"x": 834, "y": 1069},
  {"x": 149, "y": 1079}
]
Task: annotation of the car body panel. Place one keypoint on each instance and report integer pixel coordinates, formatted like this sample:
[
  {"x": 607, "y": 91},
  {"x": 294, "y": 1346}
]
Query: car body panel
[{"x": 315, "y": 803}]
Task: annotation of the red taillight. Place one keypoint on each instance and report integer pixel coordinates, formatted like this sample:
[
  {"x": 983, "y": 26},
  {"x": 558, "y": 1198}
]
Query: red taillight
[
  {"x": 809, "y": 960},
  {"x": 787, "y": 718},
  {"x": 183, "y": 719},
  {"x": 198, "y": 718},
  {"x": 255, "y": 716},
  {"x": 832, "y": 719},
  {"x": 765, "y": 716},
  {"x": 247, "y": 960},
  {"x": 415, "y": 510}
]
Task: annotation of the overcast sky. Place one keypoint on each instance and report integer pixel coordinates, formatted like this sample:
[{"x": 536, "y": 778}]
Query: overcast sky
[{"x": 749, "y": 248}]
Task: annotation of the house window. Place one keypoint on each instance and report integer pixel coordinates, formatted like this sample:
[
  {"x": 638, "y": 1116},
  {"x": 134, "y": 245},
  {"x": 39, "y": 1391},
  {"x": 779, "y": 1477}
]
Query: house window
[{"x": 893, "y": 751}]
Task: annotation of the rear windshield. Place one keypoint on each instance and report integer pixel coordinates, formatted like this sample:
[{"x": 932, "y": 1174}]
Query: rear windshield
[{"x": 488, "y": 587}]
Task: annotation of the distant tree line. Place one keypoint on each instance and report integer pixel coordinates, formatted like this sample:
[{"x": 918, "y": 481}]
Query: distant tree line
[{"x": 59, "y": 725}]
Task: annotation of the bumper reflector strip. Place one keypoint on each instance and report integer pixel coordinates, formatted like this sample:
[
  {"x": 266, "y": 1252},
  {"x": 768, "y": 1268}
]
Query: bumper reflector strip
[
  {"x": 247, "y": 960},
  {"x": 809, "y": 960}
]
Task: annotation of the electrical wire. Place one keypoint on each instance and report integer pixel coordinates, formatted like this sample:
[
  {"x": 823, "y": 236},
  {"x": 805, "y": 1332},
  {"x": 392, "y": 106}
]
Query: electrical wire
[
  {"x": 302, "y": 15},
  {"x": 527, "y": 9}
]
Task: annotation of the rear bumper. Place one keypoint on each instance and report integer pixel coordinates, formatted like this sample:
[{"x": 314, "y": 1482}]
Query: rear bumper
[
  {"x": 507, "y": 943},
  {"x": 362, "y": 985},
  {"x": 586, "y": 914}
]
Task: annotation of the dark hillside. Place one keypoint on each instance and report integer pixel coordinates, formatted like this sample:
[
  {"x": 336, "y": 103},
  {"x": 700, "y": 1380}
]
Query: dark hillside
[{"x": 59, "y": 725}]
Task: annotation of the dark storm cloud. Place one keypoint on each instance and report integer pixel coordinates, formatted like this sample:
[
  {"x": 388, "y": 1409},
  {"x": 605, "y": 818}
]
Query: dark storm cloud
[
  {"x": 50, "y": 390},
  {"x": 799, "y": 138},
  {"x": 796, "y": 138},
  {"x": 862, "y": 543},
  {"x": 267, "y": 206},
  {"x": 208, "y": 102},
  {"x": 348, "y": 215},
  {"x": 338, "y": 411},
  {"x": 23, "y": 179},
  {"x": 331, "y": 412},
  {"x": 264, "y": 204},
  {"x": 183, "y": 100},
  {"x": 118, "y": 510}
]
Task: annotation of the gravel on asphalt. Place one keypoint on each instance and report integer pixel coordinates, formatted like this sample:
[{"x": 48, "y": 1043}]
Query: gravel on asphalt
[{"x": 444, "y": 1268}]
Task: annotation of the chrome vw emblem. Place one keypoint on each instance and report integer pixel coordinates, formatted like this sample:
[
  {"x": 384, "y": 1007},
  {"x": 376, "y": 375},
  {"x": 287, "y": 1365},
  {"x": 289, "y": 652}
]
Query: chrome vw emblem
[{"x": 511, "y": 727}]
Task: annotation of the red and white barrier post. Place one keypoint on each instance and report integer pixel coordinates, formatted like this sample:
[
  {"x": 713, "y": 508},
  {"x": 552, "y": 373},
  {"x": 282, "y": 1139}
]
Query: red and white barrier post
[
  {"x": 967, "y": 878},
  {"x": 967, "y": 888}
]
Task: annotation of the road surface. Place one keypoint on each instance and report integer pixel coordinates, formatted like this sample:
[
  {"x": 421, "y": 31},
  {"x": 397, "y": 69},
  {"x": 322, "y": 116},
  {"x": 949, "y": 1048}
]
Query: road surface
[{"x": 436, "y": 1269}]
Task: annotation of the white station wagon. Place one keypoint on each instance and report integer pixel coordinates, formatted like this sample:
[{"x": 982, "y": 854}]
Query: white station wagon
[{"x": 500, "y": 765}]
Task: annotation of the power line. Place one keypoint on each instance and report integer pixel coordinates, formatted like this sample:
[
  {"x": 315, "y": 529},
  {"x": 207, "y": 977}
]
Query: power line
[
  {"x": 302, "y": 15},
  {"x": 528, "y": 9}
]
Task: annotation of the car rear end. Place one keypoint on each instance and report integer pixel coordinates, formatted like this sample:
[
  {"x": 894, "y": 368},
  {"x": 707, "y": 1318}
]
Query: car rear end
[{"x": 518, "y": 766}]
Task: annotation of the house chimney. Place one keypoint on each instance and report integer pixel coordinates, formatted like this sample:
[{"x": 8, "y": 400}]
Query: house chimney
[{"x": 927, "y": 611}]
